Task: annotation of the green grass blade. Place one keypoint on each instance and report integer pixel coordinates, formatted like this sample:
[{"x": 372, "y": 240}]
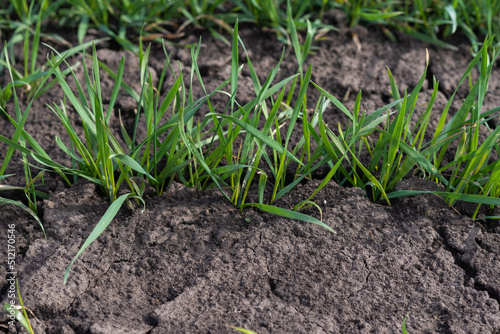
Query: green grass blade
[
  {"x": 36, "y": 39},
  {"x": 294, "y": 36},
  {"x": 89, "y": 123},
  {"x": 379, "y": 16},
  {"x": 234, "y": 65},
  {"x": 63, "y": 147},
  {"x": 429, "y": 39},
  {"x": 129, "y": 162},
  {"x": 372, "y": 178},
  {"x": 299, "y": 179},
  {"x": 335, "y": 101},
  {"x": 124, "y": 85},
  {"x": 29, "y": 328},
  {"x": 298, "y": 105},
  {"x": 396, "y": 130},
  {"x": 25, "y": 208},
  {"x": 21, "y": 119},
  {"x": 169, "y": 98},
  {"x": 242, "y": 330},
  {"x": 262, "y": 187},
  {"x": 83, "y": 26},
  {"x": 453, "y": 17},
  {"x": 259, "y": 135},
  {"x": 289, "y": 214},
  {"x": 403, "y": 325},
  {"x": 116, "y": 88},
  {"x": 17, "y": 314}
]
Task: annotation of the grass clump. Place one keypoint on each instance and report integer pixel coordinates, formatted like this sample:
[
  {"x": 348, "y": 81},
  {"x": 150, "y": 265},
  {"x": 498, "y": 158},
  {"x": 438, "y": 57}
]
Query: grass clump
[
  {"x": 246, "y": 151},
  {"x": 400, "y": 149},
  {"x": 429, "y": 21},
  {"x": 201, "y": 154},
  {"x": 472, "y": 175}
]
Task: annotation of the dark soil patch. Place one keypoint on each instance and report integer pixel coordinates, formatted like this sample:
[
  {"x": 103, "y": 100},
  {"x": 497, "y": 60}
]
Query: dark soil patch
[{"x": 191, "y": 263}]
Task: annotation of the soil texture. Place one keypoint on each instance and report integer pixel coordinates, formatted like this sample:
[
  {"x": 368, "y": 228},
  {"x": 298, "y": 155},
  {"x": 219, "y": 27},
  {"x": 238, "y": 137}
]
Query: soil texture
[{"x": 192, "y": 263}]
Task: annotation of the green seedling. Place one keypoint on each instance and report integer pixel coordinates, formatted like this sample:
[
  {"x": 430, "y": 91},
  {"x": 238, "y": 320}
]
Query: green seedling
[
  {"x": 342, "y": 147},
  {"x": 369, "y": 11},
  {"x": 183, "y": 145},
  {"x": 100, "y": 155},
  {"x": 394, "y": 163},
  {"x": 429, "y": 21},
  {"x": 242, "y": 330},
  {"x": 165, "y": 140},
  {"x": 19, "y": 140},
  {"x": 163, "y": 134},
  {"x": 403, "y": 325},
  {"x": 470, "y": 176},
  {"x": 20, "y": 204},
  {"x": 120, "y": 19},
  {"x": 400, "y": 149},
  {"x": 19, "y": 311},
  {"x": 27, "y": 30},
  {"x": 243, "y": 161}
]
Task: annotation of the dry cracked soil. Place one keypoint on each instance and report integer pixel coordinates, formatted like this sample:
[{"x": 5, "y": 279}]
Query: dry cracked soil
[{"x": 192, "y": 263}]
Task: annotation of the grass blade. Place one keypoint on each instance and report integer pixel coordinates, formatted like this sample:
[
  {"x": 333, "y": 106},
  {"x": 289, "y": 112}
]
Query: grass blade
[
  {"x": 403, "y": 325},
  {"x": 17, "y": 314},
  {"x": 25, "y": 208},
  {"x": 289, "y": 214},
  {"x": 259, "y": 135}
]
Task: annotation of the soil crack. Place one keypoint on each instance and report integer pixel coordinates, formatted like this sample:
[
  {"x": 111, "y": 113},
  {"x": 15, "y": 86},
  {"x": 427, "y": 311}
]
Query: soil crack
[
  {"x": 365, "y": 283},
  {"x": 462, "y": 258},
  {"x": 367, "y": 276},
  {"x": 70, "y": 307}
]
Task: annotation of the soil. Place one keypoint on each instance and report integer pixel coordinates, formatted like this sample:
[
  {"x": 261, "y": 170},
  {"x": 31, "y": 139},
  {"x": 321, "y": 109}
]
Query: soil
[{"x": 192, "y": 263}]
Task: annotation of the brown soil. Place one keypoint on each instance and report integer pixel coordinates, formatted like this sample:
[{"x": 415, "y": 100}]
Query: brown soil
[{"x": 191, "y": 263}]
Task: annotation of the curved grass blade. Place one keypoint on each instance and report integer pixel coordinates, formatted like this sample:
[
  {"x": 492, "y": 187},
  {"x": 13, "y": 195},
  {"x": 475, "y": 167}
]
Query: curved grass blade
[
  {"x": 63, "y": 147},
  {"x": 18, "y": 314},
  {"x": 372, "y": 178},
  {"x": 306, "y": 204},
  {"x": 25, "y": 208},
  {"x": 290, "y": 186},
  {"x": 289, "y": 214},
  {"x": 259, "y": 135},
  {"x": 129, "y": 162},
  {"x": 428, "y": 39},
  {"x": 21, "y": 118},
  {"x": 403, "y": 325},
  {"x": 335, "y": 101}
]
